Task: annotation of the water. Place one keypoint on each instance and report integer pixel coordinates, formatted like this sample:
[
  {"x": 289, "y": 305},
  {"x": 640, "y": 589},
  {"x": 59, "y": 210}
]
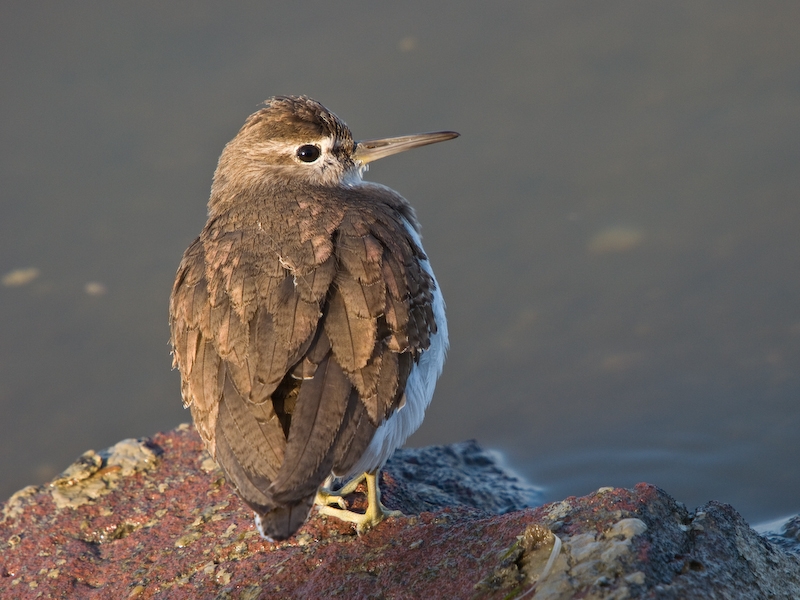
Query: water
[{"x": 615, "y": 231}]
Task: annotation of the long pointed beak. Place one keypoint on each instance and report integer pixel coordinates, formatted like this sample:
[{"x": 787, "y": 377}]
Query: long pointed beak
[{"x": 370, "y": 150}]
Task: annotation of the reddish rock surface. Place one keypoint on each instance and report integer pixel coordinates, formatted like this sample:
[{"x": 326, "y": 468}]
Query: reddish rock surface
[{"x": 155, "y": 519}]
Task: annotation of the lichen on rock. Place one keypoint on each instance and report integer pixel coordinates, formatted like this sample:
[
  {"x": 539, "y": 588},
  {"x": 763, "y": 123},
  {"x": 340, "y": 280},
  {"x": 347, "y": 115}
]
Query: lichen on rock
[{"x": 94, "y": 474}]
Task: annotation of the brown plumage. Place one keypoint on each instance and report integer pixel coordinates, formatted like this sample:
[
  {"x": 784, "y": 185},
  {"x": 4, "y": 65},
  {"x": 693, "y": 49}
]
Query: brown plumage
[{"x": 300, "y": 311}]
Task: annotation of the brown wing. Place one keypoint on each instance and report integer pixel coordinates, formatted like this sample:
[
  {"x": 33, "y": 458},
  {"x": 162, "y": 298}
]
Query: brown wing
[
  {"x": 380, "y": 313},
  {"x": 291, "y": 357}
]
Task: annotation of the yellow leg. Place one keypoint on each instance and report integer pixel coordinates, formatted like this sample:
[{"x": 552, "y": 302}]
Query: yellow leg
[{"x": 375, "y": 513}]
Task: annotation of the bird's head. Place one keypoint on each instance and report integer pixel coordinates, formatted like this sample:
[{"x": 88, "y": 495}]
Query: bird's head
[{"x": 295, "y": 141}]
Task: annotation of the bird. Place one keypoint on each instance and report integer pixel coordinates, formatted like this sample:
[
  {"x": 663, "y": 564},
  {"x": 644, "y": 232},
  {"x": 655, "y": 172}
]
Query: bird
[{"x": 305, "y": 319}]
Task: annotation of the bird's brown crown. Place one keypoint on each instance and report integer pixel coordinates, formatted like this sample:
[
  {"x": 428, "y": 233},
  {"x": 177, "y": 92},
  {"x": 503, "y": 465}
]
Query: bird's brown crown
[{"x": 297, "y": 118}]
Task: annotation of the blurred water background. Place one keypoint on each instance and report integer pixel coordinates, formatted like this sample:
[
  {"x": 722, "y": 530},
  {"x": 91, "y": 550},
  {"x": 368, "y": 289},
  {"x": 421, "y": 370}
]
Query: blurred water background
[{"x": 617, "y": 231}]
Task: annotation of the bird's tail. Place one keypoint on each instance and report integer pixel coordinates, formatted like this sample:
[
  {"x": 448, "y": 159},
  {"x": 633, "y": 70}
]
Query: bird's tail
[{"x": 282, "y": 522}]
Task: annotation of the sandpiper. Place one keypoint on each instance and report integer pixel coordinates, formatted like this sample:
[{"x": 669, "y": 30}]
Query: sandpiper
[{"x": 306, "y": 321}]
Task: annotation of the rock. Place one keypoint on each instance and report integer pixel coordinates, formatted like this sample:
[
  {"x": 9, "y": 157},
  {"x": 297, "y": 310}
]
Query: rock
[
  {"x": 463, "y": 474},
  {"x": 784, "y": 533},
  {"x": 155, "y": 518}
]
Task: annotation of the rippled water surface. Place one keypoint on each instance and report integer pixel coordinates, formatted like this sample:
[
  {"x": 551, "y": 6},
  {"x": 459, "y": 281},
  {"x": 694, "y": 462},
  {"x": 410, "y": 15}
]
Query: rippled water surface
[{"x": 616, "y": 231}]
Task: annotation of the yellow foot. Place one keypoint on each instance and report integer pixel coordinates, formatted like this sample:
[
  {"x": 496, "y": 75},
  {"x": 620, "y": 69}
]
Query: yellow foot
[
  {"x": 375, "y": 513},
  {"x": 326, "y": 496}
]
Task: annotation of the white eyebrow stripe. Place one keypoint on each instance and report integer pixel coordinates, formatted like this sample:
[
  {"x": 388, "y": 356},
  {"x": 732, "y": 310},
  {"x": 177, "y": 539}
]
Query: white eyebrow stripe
[{"x": 290, "y": 148}]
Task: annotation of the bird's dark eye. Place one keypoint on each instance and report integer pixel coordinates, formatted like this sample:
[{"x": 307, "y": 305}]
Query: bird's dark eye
[{"x": 308, "y": 153}]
